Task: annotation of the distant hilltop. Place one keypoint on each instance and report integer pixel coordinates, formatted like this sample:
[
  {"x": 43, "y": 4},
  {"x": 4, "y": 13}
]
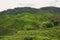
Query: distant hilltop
[{"x": 31, "y": 10}]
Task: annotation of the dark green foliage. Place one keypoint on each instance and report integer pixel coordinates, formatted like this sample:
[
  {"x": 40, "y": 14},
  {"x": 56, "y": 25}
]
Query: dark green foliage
[
  {"x": 7, "y": 32},
  {"x": 56, "y": 23},
  {"x": 48, "y": 25},
  {"x": 29, "y": 38}
]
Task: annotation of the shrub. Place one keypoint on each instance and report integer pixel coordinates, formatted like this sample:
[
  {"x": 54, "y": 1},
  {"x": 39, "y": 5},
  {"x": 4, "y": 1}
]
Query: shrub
[
  {"x": 47, "y": 24},
  {"x": 29, "y": 38}
]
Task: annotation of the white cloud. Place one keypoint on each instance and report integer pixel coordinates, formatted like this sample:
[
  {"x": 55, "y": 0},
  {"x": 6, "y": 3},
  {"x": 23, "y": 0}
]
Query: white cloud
[{"x": 6, "y": 4}]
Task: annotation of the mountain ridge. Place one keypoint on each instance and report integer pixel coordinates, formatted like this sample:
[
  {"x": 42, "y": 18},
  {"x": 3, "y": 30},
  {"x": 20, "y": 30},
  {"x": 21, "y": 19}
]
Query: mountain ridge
[{"x": 30, "y": 10}]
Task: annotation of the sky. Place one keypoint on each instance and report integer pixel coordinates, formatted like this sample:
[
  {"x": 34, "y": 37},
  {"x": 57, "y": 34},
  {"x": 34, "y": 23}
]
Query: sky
[{"x": 10, "y": 4}]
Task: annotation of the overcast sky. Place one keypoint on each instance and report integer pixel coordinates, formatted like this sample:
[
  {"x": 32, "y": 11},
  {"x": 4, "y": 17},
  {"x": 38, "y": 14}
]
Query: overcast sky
[{"x": 7, "y": 4}]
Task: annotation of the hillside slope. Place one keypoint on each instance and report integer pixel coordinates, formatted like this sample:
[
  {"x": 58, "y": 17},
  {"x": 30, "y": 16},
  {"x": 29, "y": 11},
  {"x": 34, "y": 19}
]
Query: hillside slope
[{"x": 30, "y": 24}]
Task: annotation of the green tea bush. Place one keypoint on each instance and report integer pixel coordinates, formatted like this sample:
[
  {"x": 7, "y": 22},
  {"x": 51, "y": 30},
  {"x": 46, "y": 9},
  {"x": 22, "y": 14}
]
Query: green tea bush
[
  {"x": 29, "y": 38},
  {"x": 47, "y": 24}
]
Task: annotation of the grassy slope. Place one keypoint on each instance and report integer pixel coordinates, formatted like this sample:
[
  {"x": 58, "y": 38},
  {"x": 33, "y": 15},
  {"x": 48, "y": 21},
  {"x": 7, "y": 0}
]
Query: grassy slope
[
  {"x": 52, "y": 33},
  {"x": 45, "y": 34}
]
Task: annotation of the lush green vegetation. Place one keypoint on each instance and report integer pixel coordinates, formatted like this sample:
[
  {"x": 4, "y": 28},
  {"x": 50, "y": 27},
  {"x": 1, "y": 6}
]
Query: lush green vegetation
[{"x": 30, "y": 24}]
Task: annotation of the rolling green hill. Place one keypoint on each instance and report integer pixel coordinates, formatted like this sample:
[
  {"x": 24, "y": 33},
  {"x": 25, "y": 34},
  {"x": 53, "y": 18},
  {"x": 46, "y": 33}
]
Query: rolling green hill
[{"x": 27, "y": 23}]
